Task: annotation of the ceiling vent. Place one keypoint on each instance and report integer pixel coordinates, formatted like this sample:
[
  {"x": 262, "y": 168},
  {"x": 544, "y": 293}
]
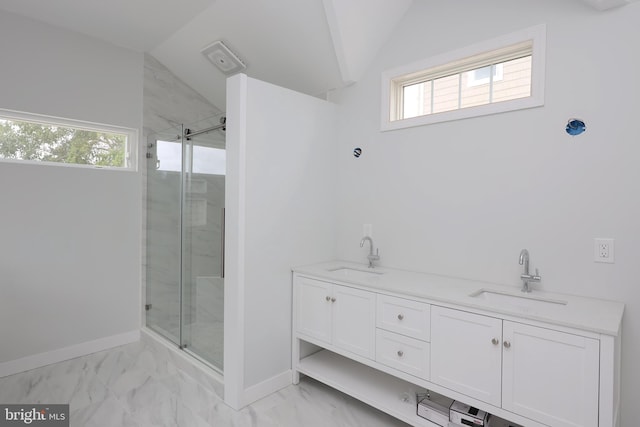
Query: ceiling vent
[{"x": 222, "y": 57}]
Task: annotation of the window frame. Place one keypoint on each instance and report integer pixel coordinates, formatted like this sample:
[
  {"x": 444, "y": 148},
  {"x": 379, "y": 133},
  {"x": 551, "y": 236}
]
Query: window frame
[
  {"x": 131, "y": 150},
  {"x": 391, "y": 99}
]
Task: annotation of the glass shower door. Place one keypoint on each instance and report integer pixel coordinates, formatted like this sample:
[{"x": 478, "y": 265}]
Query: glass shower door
[
  {"x": 163, "y": 240},
  {"x": 185, "y": 241},
  {"x": 203, "y": 247}
]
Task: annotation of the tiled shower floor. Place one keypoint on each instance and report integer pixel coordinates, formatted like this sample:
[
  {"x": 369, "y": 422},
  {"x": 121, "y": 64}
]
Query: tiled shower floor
[{"x": 135, "y": 385}]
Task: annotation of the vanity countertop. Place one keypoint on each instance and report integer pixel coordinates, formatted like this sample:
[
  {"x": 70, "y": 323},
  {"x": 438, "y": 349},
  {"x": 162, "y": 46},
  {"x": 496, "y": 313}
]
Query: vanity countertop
[{"x": 590, "y": 314}]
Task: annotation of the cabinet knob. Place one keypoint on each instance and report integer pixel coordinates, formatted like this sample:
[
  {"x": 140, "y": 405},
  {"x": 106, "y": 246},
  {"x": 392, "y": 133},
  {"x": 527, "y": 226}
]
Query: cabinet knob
[
  {"x": 400, "y": 353},
  {"x": 400, "y": 316},
  {"x": 507, "y": 344},
  {"x": 495, "y": 341},
  {"x": 328, "y": 298},
  {"x": 333, "y": 299}
]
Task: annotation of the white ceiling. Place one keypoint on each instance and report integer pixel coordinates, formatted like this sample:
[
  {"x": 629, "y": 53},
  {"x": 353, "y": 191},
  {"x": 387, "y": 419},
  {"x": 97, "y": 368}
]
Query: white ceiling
[
  {"x": 135, "y": 24},
  {"x": 310, "y": 46},
  {"x": 359, "y": 28},
  {"x": 285, "y": 42}
]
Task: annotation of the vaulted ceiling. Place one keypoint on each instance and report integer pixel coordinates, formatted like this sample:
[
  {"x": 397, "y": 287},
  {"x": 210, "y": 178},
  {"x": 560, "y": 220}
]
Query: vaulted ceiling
[
  {"x": 311, "y": 46},
  {"x": 285, "y": 42}
]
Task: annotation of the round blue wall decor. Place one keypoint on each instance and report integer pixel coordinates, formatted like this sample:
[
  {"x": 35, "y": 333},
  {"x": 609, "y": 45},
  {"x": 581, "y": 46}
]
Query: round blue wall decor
[
  {"x": 575, "y": 127},
  {"x": 357, "y": 151}
]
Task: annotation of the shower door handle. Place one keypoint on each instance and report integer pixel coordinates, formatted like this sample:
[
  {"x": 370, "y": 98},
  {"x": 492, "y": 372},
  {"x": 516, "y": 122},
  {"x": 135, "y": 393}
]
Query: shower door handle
[{"x": 222, "y": 231}]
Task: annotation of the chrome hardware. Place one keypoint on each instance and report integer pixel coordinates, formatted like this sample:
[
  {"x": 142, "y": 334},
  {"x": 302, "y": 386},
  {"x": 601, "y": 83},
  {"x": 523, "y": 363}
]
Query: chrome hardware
[
  {"x": 188, "y": 133},
  {"x": 328, "y": 298},
  {"x": 525, "y": 276},
  {"x": 149, "y": 154},
  {"x": 507, "y": 344},
  {"x": 371, "y": 257},
  {"x": 495, "y": 341},
  {"x": 333, "y": 299},
  {"x": 400, "y": 353},
  {"x": 400, "y": 316},
  {"x": 223, "y": 227}
]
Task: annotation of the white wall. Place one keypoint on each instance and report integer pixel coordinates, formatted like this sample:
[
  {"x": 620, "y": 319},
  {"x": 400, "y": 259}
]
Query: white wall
[
  {"x": 462, "y": 198},
  {"x": 69, "y": 251},
  {"x": 280, "y": 213}
]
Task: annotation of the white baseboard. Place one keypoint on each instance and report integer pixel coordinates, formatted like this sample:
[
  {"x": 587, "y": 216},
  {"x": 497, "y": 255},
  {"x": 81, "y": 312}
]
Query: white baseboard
[
  {"x": 58, "y": 355},
  {"x": 265, "y": 388}
]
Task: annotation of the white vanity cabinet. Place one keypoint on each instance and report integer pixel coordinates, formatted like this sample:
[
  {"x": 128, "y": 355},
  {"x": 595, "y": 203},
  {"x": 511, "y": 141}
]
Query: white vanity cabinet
[
  {"x": 402, "y": 335},
  {"x": 550, "y": 376},
  {"x": 337, "y": 315},
  {"x": 336, "y": 341},
  {"x": 385, "y": 336},
  {"x": 546, "y": 375},
  {"x": 466, "y": 353}
]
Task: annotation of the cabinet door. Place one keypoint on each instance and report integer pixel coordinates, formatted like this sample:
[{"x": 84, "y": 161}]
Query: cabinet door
[
  {"x": 314, "y": 309},
  {"x": 550, "y": 376},
  {"x": 466, "y": 353},
  {"x": 354, "y": 320}
]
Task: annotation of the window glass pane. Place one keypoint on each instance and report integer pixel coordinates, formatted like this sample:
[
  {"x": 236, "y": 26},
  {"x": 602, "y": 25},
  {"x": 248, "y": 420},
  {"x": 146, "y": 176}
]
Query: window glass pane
[
  {"x": 212, "y": 161},
  {"x": 206, "y": 160},
  {"x": 169, "y": 155},
  {"x": 480, "y": 76},
  {"x": 445, "y": 93},
  {"x": 24, "y": 140},
  {"x": 416, "y": 100},
  {"x": 516, "y": 80},
  {"x": 472, "y": 91}
]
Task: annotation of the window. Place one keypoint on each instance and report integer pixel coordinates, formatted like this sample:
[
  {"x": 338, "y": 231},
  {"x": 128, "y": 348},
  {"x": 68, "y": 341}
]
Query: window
[
  {"x": 35, "y": 138},
  {"x": 499, "y": 75},
  {"x": 205, "y": 160},
  {"x": 484, "y": 75}
]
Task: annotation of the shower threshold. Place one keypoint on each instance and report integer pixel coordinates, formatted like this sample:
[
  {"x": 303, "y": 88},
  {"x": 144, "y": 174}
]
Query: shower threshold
[{"x": 203, "y": 372}]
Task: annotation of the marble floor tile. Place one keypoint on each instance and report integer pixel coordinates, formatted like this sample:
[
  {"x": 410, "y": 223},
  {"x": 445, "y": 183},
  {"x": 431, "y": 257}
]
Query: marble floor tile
[{"x": 138, "y": 386}]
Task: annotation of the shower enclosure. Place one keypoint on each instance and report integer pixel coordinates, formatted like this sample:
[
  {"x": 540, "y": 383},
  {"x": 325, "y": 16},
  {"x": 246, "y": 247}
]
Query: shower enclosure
[{"x": 185, "y": 238}]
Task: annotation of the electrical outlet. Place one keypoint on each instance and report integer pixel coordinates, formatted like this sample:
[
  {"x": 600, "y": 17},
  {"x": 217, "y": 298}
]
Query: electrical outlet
[
  {"x": 603, "y": 250},
  {"x": 367, "y": 230}
]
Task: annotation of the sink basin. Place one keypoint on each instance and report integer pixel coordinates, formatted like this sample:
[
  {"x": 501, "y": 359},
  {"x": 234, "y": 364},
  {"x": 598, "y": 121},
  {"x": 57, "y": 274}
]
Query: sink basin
[
  {"x": 352, "y": 273},
  {"x": 522, "y": 302}
]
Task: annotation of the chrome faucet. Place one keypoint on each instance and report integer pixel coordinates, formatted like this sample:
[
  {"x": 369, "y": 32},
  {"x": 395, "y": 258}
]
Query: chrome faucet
[
  {"x": 371, "y": 257},
  {"x": 526, "y": 277}
]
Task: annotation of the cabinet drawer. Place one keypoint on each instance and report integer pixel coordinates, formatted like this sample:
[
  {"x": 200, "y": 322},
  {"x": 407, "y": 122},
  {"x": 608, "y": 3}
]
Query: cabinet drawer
[
  {"x": 403, "y": 353},
  {"x": 403, "y": 316}
]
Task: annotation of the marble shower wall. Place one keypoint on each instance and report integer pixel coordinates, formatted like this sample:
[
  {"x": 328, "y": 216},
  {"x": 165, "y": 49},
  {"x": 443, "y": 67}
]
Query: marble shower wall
[{"x": 168, "y": 104}]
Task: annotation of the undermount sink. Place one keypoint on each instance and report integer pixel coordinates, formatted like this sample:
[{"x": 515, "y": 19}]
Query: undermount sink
[
  {"x": 524, "y": 302},
  {"x": 352, "y": 273}
]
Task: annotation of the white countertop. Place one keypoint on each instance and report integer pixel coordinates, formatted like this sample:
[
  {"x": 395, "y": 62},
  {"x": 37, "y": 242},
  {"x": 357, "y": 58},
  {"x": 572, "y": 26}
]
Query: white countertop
[{"x": 589, "y": 314}]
